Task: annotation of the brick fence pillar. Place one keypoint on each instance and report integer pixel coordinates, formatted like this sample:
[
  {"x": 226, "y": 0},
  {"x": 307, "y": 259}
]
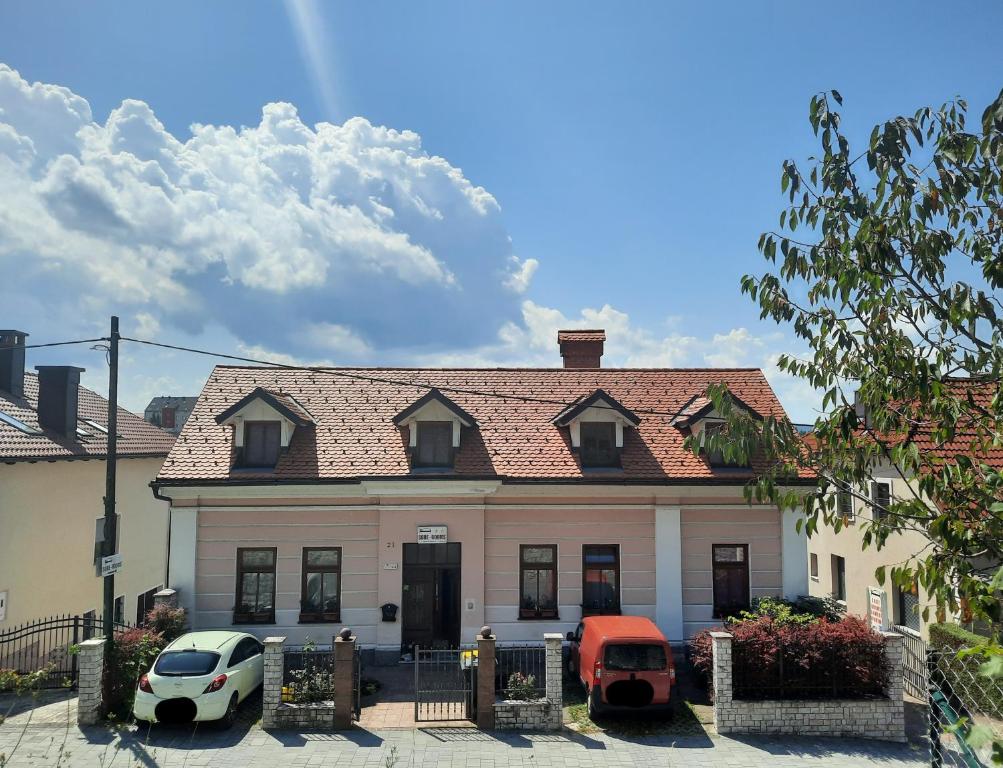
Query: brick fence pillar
[
  {"x": 90, "y": 687},
  {"x": 895, "y": 659},
  {"x": 721, "y": 645},
  {"x": 166, "y": 597},
  {"x": 485, "y": 679},
  {"x": 343, "y": 646},
  {"x": 271, "y": 689},
  {"x": 555, "y": 680}
]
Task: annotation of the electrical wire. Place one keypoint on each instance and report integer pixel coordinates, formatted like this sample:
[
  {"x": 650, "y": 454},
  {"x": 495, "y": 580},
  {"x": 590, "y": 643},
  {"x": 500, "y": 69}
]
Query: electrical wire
[
  {"x": 53, "y": 344},
  {"x": 354, "y": 375}
]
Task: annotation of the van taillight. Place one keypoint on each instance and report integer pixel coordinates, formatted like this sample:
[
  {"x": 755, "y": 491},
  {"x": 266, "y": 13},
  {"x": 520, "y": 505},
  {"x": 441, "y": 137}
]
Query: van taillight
[{"x": 597, "y": 670}]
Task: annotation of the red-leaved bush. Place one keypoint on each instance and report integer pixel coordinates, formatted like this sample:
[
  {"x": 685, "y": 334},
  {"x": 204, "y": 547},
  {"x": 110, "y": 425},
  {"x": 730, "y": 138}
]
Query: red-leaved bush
[{"x": 821, "y": 660}]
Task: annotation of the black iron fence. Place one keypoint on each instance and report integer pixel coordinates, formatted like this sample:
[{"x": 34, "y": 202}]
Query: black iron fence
[
  {"x": 521, "y": 671},
  {"x": 777, "y": 670},
  {"x": 307, "y": 675},
  {"x": 46, "y": 645}
]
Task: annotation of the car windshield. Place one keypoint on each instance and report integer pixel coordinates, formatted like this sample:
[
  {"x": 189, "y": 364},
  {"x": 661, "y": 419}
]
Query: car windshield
[
  {"x": 635, "y": 657},
  {"x": 188, "y": 662}
]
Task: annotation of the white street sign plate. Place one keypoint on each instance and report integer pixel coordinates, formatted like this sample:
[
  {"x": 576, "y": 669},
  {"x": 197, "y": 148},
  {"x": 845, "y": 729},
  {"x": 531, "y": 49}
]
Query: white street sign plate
[
  {"x": 431, "y": 534},
  {"x": 110, "y": 565}
]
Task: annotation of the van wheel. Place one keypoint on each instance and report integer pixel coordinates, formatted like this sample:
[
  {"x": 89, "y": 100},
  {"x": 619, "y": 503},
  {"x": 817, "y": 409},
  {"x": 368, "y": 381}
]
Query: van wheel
[{"x": 594, "y": 697}]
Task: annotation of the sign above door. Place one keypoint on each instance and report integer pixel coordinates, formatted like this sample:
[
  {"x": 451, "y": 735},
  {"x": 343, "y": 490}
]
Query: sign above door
[{"x": 432, "y": 534}]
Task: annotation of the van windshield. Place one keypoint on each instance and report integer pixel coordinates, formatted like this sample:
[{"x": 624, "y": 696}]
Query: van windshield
[
  {"x": 634, "y": 657},
  {"x": 188, "y": 663}
]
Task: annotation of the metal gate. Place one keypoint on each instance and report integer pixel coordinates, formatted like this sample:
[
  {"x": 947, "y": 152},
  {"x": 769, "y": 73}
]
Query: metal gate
[
  {"x": 445, "y": 684},
  {"x": 46, "y": 645},
  {"x": 914, "y": 665}
]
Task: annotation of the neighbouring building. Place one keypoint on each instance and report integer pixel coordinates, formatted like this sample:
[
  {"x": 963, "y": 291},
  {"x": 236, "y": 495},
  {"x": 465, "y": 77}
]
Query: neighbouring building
[
  {"x": 840, "y": 567},
  {"x": 169, "y": 413},
  {"x": 53, "y": 445},
  {"x": 416, "y": 506}
]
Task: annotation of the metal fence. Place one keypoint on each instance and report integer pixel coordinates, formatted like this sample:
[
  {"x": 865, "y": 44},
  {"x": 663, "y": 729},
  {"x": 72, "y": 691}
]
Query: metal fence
[
  {"x": 521, "y": 671},
  {"x": 792, "y": 672},
  {"x": 307, "y": 675},
  {"x": 914, "y": 650},
  {"x": 965, "y": 709},
  {"x": 45, "y": 644}
]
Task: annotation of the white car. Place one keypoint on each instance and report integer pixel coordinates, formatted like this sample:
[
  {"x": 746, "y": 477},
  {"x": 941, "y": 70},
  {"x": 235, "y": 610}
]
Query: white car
[{"x": 200, "y": 676}]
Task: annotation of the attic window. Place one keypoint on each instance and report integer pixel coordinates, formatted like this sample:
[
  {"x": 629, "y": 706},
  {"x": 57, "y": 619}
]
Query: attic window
[
  {"x": 434, "y": 444},
  {"x": 716, "y": 457},
  {"x": 598, "y": 444},
  {"x": 262, "y": 442},
  {"x": 6, "y": 418}
]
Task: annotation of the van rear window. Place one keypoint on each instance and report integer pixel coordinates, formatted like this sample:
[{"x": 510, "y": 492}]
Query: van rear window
[
  {"x": 188, "y": 663},
  {"x": 634, "y": 657}
]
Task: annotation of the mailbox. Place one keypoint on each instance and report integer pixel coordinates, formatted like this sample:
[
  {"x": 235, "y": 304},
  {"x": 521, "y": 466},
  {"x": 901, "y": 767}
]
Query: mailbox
[{"x": 389, "y": 612}]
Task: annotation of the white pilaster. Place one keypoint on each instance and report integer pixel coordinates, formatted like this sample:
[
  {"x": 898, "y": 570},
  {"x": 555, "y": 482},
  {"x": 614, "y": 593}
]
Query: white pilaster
[
  {"x": 669, "y": 573},
  {"x": 795, "y": 555},
  {"x": 181, "y": 567}
]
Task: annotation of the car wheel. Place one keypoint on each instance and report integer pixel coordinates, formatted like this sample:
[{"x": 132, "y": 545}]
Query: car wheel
[
  {"x": 230, "y": 716},
  {"x": 594, "y": 695}
]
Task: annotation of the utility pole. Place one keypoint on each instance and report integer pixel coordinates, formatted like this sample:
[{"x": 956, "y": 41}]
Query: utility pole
[{"x": 110, "y": 518}]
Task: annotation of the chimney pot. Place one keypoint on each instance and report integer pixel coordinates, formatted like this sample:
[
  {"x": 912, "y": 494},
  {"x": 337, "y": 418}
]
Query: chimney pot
[
  {"x": 12, "y": 362},
  {"x": 581, "y": 348},
  {"x": 57, "y": 398}
]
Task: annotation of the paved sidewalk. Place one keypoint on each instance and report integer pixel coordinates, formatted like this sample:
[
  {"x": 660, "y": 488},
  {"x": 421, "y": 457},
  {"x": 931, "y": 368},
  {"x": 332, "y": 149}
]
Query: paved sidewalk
[{"x": 248, "y": 745}]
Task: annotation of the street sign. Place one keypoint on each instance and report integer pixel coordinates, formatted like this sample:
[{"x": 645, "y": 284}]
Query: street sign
[
  {"x": 431, "y": 534},
  {"x": 876, "y": 608},
  {"x": 111, "y": 565}
]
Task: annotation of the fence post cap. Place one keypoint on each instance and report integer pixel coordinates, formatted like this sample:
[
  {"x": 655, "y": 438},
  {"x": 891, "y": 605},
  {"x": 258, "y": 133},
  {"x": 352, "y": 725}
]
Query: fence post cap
[
  {"x": 889, "y": 634},
  {"x": 720, "y": 635},
  {"x": 94, "y": 642},
  {"x": 345, "y": 635},
  {"x": 553, "y": 636},
  {"x": 274, "y": 640},
  {"x": 485, "y": 633}
]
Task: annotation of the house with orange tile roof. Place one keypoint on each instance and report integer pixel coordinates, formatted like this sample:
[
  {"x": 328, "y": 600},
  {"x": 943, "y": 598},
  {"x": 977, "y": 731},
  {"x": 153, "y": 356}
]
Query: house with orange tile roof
[
  {"x": 53, "y": 450},
  {"x": 416, "y": 505},
  {"x": 839, "y": 566}
]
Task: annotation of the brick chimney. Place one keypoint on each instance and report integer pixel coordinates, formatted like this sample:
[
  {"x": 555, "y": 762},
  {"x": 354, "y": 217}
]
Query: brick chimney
[
  {"x": 12, "y": 362},
  {"x": 57, "y": 398},
  {"x": 581, "y": 349}
]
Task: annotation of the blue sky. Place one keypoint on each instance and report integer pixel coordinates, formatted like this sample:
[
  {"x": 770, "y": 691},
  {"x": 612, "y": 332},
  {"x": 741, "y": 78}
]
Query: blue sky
[{"x": 601, "y": 164}]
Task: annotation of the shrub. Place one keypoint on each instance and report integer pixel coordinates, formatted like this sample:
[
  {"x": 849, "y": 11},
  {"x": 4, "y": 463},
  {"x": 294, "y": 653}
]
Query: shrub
[
  {"x": 128, "y": 658},
  {"x": 961, "y": 676},
  {"x": 781, "y": 611},
  {"x": 701, "y": 651},
  {"x": 521, "y": 687},
  {"x": 167, "y": 621}
]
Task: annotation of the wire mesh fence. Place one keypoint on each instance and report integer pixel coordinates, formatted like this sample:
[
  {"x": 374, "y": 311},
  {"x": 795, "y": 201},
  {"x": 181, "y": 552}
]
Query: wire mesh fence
[
  {"x": 965, "y": 709},
  {"x": 307, "y": 675},
  {"x": 521, "y": 671}
]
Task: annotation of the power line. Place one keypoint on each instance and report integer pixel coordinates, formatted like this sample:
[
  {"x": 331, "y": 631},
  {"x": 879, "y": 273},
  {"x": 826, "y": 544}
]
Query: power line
[
  {"x": 53, "y": 344},
  {"x": 396, "y": 382}
]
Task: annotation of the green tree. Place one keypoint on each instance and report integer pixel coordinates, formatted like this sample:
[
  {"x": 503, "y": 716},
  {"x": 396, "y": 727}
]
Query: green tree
[{"x": 887, "y": 266}]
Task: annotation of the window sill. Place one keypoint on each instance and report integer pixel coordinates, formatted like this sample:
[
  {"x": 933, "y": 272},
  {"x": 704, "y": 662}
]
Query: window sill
[
  {"x": 320, "y": 618},
  {"x": 555, "y": 617},
  {"x": 245, "y": 618},
  {"x": 814, "y": 578}
]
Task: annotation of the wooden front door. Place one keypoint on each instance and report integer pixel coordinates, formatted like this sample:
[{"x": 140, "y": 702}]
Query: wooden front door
[
  {"x": 430, "y": 615},
  {"x": 731, "y": 579}
]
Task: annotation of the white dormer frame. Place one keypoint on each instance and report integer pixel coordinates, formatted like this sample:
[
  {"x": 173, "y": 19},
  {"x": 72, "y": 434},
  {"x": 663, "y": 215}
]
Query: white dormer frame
[
  {"x": 598, "y": 407},
  {"x": 433, "y": 406},
  {"x": 262, "y": 405}
]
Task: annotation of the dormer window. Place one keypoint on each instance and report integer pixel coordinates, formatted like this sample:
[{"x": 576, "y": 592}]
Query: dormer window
[
  {"x": 700, "y": 417},
  {"x": 263, "y": 425},
  {"x": 596, "y": 426},
  {"x": 434, "y": 444},
  {"x": 262, "y": 443},
  {"x": 716, "y": 457},
  {"x": 435, "y": 425},
  {"x": 598, "y": 444}
]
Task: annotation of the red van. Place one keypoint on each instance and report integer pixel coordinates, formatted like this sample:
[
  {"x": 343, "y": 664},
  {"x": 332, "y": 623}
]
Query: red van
[{"x": 624, "y": 662}]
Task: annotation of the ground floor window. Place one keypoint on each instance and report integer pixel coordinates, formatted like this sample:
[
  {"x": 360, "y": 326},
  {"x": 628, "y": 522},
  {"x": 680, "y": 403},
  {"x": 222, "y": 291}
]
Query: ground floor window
[
  {"x": 144, "y": 604},
  {"x": 907, "y": 605},
  {"x": 119, "y": 614},
  {"x": 538, "y": 581},
  {"x": 255, "y": 586},
  {"x": 600, "y": 579},
  {"x": 839, "y": 577},
  {"x": 814, "y": 565},
  {"x": 320, "y": 598},
  {"x": 731, "y": 579}
]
